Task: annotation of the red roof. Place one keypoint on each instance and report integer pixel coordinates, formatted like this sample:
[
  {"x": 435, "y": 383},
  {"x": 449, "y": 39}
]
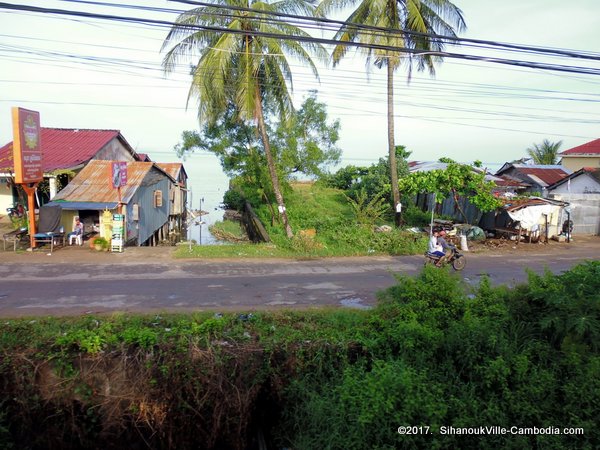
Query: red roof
[
  {"x": 538, "y": 173},
  {"x": 589, "y": 148},
  {"x": 65, "y": 148},
  {"x": 548, "y": 176}
]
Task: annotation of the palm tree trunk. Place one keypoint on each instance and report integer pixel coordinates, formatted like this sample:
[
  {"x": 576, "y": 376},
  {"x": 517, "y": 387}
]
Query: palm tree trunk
[
  {"x": 391, "y": 143},
  {"x": 271, "y": 164}
]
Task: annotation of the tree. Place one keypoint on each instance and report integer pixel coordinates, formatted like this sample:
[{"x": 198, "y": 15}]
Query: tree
[
  {"x": 545, "y": 153},
  {"x": 305, "y": 144},
  {"x": 413, "y": 25},
  {"x": 373, "y": 180},
  {"x": 243, "y": 64},
  {"x": 455, "y": 180}
]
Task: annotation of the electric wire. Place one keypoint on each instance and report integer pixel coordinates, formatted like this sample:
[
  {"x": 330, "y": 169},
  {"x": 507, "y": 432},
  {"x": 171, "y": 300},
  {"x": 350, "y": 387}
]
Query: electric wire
[{"x": 311, "y": 39}]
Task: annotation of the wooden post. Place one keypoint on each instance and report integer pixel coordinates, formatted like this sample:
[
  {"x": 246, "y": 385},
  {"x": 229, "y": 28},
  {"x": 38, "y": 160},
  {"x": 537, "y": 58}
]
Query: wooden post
[{"x": 30, "y": 191}]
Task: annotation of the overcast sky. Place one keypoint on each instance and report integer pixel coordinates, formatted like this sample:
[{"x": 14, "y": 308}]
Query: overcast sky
[{"x": 86, "y": 73}]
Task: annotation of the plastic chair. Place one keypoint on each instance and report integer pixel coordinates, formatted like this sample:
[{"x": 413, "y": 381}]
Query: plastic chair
[{"x": 76, "y": 238}]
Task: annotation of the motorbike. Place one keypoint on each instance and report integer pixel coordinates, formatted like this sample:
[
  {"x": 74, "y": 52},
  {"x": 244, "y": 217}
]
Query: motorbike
[
  {"x": 16, "y": 212},
  {"x": 456, "y": 259}
]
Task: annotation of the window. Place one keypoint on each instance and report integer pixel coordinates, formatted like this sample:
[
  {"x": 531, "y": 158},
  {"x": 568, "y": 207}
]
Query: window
[{"x": 158, "y": 200}]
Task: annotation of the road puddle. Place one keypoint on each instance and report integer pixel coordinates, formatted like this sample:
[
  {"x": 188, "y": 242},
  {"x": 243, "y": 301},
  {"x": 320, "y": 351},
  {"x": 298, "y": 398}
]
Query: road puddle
[{"x": 354, "y": 302}]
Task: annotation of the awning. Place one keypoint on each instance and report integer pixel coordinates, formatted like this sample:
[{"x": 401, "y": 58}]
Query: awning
[{"x": 80, "y": 206}]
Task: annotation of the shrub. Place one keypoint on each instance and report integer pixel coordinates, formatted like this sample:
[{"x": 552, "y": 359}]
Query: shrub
[{"x": 233, "y": 199}]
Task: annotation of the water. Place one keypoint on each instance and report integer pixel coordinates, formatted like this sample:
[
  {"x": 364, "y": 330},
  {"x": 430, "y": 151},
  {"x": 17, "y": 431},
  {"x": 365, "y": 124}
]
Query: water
[{"x": 208, "y": 184}]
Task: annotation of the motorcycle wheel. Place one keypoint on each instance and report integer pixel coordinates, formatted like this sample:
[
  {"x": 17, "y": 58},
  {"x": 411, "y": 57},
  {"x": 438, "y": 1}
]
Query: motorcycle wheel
[{"x": 459, "y": 263}]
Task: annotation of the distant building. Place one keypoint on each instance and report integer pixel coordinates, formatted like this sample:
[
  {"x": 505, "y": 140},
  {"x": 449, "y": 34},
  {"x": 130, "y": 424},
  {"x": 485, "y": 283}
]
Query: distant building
[
  {"x": 585, "y": 155},
  {"x": 582, "y": 190},
  {"x": 145, "y": 200},
  {"x": 178, "y": 195},
  {"x": 535, "y": 178},
  {"x": 65, "y": 152}
]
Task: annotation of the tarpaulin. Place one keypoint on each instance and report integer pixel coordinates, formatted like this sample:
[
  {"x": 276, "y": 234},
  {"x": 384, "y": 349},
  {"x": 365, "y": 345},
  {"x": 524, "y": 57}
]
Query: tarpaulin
[{"x": 531, "y": 215}]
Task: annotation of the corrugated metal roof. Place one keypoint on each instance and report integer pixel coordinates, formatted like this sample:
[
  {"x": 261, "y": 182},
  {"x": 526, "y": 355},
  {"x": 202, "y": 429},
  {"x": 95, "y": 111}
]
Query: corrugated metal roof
[
  {"x": 64, "y": 148},
  {"x": 94, "y": 183},
  {"x": 519, "y": 203},
  {"x": 591, "y": 148},
  {"x": 548, "y": 176},
  {"x": 143, "y": 157},
  {"x": 505, "y": 181},
  {"x": 81, "y": 206},
  {"x": 173, "y": 169}
]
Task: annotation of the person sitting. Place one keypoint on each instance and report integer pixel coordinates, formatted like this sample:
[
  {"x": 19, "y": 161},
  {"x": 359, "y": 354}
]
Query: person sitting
[
  {"x": 77, "y": 233},
  {"x": 434, "y": 248},
  {"x": 447, "y": 249}
]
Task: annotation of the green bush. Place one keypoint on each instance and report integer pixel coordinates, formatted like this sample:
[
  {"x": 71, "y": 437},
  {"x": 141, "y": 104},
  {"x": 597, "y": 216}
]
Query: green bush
[
  {"x": 415, "y": 217},
  {"x": 233, "y": 199},
  {"x": 432, "y": 353}
]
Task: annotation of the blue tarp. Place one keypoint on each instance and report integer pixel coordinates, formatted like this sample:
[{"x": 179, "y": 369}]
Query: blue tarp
[{"x": 80, "y": 206}]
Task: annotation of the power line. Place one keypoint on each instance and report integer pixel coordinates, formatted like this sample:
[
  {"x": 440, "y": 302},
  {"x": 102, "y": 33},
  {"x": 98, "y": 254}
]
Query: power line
[{"x": 310, "y": 39}]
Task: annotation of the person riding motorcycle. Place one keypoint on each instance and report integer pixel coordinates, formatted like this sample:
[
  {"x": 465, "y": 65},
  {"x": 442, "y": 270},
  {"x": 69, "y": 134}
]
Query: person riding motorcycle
[
  {"x": 439, "y": 248},
  {"x": 435, "y": 248}
]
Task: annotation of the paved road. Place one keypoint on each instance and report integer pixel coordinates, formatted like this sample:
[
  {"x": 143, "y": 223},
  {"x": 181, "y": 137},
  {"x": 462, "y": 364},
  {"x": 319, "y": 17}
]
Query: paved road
[{"x": 32, "y": 286}]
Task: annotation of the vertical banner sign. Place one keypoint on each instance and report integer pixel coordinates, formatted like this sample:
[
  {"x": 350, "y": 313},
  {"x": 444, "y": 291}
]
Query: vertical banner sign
[
  {"x": 118, "y": 233},
  {"x": 119, "y": 174},
  {"x": 27, "y": 146}
]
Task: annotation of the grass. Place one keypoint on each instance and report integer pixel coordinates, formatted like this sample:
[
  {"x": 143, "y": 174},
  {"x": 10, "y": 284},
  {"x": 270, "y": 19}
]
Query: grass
[
  {"x": 228, "y": 230},
  {"x": 324, "y": 226},
  {"x": 242, "y": 250}
]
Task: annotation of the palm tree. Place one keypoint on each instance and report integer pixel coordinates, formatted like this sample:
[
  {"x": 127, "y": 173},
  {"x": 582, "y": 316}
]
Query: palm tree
[
  {"x": 241, "y": 63},
  {"x": 544, "y": 153},
  {"x": 422, "y": 19}
]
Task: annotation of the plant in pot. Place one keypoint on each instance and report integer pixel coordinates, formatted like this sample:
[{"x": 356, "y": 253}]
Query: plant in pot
[{"x": 100, "y": 244}]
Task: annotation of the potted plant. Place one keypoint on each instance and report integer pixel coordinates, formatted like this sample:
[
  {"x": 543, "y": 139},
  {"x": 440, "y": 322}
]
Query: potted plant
[{"x": 100, "y": 244}]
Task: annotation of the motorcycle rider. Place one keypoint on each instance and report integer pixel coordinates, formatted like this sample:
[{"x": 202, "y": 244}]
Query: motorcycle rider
[
  {"x": 447, "y": 249},
  {"x": 435, "y": 248}
]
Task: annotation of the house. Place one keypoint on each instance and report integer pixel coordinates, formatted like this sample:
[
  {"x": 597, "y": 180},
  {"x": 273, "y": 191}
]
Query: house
[
  {"x": 144, "y": 200},
  {"x": 535, "y": 178},
  {"x": 582, "y": 190},
  {"x": 177, "y": 195},
  {"x": 65, "y": 152},
  {"x": 585, "y": 155}
]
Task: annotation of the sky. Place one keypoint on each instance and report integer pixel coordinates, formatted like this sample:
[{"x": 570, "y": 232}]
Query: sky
[{"x": 88, "y": 73}]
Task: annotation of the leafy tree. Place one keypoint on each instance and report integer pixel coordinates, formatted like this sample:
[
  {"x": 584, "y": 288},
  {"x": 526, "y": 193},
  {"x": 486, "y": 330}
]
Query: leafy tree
[
  {"x": 455, "y": 180},
  {"x": 374, "y": 180},
  {"x": 243, "y": 65},
  {"x": 545, "y": 153},
  {"x": 307, "y": 142},
  {"x": 413, "y": 26},
  {"x": 304, "y": 144}
]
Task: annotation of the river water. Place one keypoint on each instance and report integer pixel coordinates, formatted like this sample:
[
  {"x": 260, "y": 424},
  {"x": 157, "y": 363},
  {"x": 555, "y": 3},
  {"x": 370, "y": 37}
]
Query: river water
[{"x": 208, "y": 184}]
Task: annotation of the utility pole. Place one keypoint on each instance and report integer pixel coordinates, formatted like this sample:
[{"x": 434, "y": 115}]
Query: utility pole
[{"x": 201, "y": 221}]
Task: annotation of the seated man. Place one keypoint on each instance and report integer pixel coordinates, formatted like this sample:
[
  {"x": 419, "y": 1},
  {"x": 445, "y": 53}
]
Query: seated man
[
  {"x": 77, "y": 233},
  {"x": 434, "y": 248},
  {"x": 447, "y": 249}
]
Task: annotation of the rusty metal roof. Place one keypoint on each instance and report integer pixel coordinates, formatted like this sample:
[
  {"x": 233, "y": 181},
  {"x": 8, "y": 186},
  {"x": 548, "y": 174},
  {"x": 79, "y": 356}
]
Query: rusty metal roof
[
  {"x": 520, "y": 203},
  {"x": 94, "y": 182},
  {"x": 539, "y": 174},
  {"x": 65, "y": 148},
  {"x": 173, "y": 169}
]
